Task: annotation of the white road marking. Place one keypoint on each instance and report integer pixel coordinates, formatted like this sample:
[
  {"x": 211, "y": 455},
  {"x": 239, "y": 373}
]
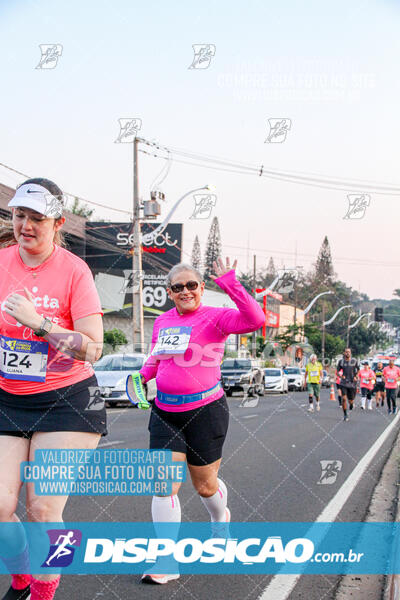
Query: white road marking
[
  {"x": 281, "y": 586},
  {"x": 249, "y": 416},
  {"x": 110, "y": 443}
]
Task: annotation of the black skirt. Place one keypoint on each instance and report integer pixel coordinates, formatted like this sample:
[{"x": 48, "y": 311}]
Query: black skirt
[{"x": 76, "y": 407}]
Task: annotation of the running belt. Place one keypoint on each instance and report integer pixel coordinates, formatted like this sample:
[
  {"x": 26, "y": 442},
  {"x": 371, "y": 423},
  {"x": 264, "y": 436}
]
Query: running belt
[{"x": 187, "y": 398}]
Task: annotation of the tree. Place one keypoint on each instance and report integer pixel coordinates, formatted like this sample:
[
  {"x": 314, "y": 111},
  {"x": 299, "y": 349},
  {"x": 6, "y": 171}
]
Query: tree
[
  {"x": 78, "y": 208},
  {"x": 324, "y": 272},
  {"x": 114, "y": 337},
  {"x": 196, "y": 254},
  {"x": 270, "y": 272},
  {"x": 213, "y": 249}
]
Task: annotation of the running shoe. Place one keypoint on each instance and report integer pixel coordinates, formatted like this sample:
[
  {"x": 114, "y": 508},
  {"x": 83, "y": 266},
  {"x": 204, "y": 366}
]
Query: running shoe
[
  {"x": 159, "y": 579},
  {"x": 220, "y": 529},
  {"x": 317, "y": 405},
  {"x": 14, "y": 594},
  {"x": 310, "y": 409},
  {"x": 346, "y": 418}
]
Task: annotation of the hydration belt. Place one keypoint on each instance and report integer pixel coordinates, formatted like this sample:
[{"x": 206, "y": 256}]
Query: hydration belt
[{"x": 177, "y": 399}]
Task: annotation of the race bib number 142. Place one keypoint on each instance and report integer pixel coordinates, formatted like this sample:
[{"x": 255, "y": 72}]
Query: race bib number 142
[
  {"x": 25, "y": 360},
  {"x": 172, "y": 340}
]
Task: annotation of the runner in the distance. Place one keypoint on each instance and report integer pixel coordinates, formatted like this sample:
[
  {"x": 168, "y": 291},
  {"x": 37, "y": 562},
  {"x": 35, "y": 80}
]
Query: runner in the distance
[
  {"x": 47, "y": 300},
  {"x": 190, "y": 415},
  {"x": 367, "y": 381},
  {"x": 379, "y": 388},
  {"x": 347, "y": 368},
  {"x": 338, "y": 388},
  {"x": 313, "y": 378},
  {"x": 391, "y": 375}
]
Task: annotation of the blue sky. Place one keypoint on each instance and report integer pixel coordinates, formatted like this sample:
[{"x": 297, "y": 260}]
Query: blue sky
[{"x": 332, "y": 68}]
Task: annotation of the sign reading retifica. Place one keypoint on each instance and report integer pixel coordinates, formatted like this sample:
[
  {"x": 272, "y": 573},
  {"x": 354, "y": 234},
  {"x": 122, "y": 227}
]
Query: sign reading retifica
[{"x": 109, "y": 248}]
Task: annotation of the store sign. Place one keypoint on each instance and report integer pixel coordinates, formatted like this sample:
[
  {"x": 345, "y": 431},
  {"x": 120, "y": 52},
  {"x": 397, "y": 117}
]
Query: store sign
[
  {"x": 272, "y": 319},
  {"x": 109, "y": 249}
]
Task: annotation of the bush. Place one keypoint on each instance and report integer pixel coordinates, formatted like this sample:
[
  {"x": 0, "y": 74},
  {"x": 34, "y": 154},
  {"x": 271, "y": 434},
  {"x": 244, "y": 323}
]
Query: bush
[{"x": 114, "y": 337}]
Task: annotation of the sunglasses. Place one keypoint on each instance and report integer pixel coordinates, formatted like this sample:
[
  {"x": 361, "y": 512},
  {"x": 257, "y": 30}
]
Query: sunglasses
[{"x": 189, "y": 285}]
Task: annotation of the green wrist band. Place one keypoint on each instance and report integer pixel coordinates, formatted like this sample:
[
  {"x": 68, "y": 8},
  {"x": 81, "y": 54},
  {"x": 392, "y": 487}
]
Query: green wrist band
[{"x": 135, "y": 391}]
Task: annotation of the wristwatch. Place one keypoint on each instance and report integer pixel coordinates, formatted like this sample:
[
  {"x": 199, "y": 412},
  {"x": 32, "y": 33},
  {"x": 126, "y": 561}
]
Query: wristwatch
[{"x": 45, "y": 327}]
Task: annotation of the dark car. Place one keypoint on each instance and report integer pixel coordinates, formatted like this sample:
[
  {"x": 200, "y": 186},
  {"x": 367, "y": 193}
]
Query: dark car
[{"x": 239, "y": 372}]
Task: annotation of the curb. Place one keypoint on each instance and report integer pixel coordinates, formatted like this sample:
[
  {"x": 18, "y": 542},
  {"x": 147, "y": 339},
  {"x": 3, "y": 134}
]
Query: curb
[{"x": 392, "y": 584}]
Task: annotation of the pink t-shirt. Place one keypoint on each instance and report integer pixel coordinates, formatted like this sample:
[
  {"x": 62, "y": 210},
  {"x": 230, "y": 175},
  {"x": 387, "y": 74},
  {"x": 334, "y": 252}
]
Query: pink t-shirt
[
  {"x": 63, "y": 290},
  {"x": 391, "y": 374},
  {"x": 367, "y": 376},
  {"x": 200, "y": 337}
]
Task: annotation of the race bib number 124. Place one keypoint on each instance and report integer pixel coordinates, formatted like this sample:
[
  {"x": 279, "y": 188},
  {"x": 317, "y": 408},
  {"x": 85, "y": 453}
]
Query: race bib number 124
[{"x": 25, "y": 360}]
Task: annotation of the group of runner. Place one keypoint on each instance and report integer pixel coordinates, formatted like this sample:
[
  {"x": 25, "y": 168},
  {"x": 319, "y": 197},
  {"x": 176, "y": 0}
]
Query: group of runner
[
  {"x": 51, "y": 332},
  {"x": 381, "y": 383}
]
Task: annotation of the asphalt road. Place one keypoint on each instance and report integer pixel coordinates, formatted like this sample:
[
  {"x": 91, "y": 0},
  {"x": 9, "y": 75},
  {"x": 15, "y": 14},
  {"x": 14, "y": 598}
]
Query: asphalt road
[{"x": 271, "y": 466}]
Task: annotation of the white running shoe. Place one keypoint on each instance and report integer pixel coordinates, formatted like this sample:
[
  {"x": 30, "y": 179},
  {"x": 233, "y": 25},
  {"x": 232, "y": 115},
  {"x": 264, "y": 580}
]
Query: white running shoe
[
  {"x": 317, "y": 405},
  {"x": 159, "y": 579},
  {"x": 310, "y": 409},
  {"x": 220, "y": 529}
]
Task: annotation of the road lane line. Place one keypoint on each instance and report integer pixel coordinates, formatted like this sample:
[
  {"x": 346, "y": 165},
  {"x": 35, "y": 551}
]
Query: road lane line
[
  {"x": 110, "y": 443},
  {"x": 281, "y": 586},
  {"x": 249, "y": 416}
]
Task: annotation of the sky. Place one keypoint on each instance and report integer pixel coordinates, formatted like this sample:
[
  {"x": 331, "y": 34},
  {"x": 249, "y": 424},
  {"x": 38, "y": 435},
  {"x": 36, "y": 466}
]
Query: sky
[{"x": 330, "y": 69}]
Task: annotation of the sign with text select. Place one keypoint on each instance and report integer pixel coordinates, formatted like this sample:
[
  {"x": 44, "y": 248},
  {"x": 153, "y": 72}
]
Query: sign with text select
[{"x": 109, "y": 248}]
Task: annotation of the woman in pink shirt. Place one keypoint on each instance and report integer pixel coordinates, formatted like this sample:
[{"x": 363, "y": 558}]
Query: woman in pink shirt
[
  {"x": 50, "y": 331},
  {"x": 191, "y": 415},
  {"x": 367, "y": 381},
  {"x": 391, "y": 375}
]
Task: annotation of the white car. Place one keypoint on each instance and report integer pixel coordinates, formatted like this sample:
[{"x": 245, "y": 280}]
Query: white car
[
  {"x": 275, "y": 380},
  {"x": 111, "y": 372},
  {"x": 295, "y": 378}
]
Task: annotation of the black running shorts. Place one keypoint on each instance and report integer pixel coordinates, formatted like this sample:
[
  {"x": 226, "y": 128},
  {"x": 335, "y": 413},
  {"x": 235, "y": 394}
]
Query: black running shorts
[
  {"x": 77, "y": 407},
  {"x": 199, "y": 433},
  {"x": 349, "y": 392}
]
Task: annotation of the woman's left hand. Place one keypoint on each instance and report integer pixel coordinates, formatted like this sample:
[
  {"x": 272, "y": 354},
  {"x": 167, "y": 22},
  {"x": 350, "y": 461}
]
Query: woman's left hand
[
  {"x": 220, "y": 269},
  {"x": 23, "y": 309}
]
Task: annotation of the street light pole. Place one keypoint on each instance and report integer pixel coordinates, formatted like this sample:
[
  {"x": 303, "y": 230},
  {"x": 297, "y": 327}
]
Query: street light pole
[
  {"x": 323, "y": 333},
  {"x": 137, "y": 294}
]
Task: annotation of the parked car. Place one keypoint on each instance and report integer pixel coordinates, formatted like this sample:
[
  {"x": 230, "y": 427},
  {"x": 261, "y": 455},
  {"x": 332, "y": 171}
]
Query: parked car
[
  {"x": 295, "y": 378},
  {"x": 237, "y": 372},
  {"x": 275, "y": 380},
  {"x": 111, "y": 372},
  {"x": 326, "y": 379}
]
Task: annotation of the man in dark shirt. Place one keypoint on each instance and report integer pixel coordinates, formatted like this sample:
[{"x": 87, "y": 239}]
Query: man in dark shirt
[{"x": 347, "y": 369}]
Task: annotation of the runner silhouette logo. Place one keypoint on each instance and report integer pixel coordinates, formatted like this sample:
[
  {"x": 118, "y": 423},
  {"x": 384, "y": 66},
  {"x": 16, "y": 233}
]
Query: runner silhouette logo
[{"x": 62, "y": 547}]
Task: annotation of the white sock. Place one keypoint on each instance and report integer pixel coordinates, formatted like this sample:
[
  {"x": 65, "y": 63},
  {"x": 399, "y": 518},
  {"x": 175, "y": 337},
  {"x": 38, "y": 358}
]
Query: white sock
[
  {"x": 216, "y": 504},
  {"x": 363, "y": 401},
  {"x": 166, "y": 509},
  {"x": 369, "y": 404}
]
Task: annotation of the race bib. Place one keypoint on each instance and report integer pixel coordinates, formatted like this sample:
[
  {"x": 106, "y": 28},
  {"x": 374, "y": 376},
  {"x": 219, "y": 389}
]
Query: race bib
[
  {"x": 172, "y": 340},
  {"x": 379, "y": 379},
  {"x": 25, "y": 360},
  {"x": 314, "y": 373},
  {"x": 391, "y": 380},
  {"x": 365, "y": 381}
]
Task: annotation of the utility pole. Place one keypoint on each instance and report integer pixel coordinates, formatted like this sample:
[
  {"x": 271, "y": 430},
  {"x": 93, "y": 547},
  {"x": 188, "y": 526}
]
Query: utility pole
[
  {"x": 348, "y": 330},
  {"x": 137, "y": 294},
  {"x": 255, "y": 294},
  {"x": 323, "y": 334}
]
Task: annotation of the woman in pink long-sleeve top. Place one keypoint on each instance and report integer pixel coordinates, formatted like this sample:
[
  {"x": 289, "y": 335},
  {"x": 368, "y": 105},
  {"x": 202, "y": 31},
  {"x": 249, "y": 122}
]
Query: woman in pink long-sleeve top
[{"x": 191, "y": 415}]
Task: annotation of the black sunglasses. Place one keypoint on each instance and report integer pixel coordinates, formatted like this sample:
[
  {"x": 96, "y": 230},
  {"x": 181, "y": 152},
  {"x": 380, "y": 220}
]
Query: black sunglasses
[{"x": 189, "y": 285}]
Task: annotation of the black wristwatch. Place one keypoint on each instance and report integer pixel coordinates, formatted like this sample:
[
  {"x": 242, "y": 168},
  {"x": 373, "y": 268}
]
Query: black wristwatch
[{"x": 45, "y": 327}]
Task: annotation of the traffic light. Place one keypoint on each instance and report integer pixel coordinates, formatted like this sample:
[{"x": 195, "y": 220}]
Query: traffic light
[{"x": 378, "y": 315}]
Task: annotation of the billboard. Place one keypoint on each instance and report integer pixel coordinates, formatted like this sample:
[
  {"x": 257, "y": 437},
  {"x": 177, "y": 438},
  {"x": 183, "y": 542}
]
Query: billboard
[{"x": 109, "y": 256}]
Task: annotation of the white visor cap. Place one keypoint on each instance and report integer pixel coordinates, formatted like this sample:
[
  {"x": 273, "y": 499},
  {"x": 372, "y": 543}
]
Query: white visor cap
[{"x": 38, "y": 198}]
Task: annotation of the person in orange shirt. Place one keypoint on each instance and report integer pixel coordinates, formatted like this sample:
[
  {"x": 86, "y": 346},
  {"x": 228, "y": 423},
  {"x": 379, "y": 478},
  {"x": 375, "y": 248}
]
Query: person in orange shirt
[{"x": 50, "y": 331}]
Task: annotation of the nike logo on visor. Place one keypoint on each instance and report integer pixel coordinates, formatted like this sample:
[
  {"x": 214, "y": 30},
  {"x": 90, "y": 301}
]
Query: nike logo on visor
[{"x": 33, "y": 192}]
